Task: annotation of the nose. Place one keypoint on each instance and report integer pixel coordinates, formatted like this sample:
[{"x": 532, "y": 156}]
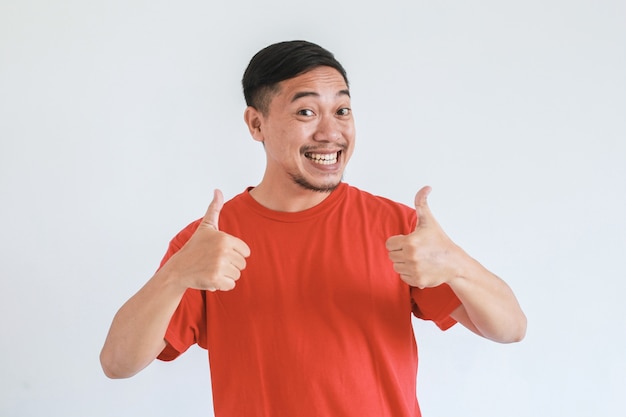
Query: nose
[{"x": 328, "y": 130}]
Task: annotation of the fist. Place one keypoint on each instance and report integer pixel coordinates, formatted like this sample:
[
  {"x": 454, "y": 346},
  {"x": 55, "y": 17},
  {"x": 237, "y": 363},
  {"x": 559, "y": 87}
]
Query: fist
[
  {"x": 424, "y": 258},
  {"x": 211, "y": 260}
]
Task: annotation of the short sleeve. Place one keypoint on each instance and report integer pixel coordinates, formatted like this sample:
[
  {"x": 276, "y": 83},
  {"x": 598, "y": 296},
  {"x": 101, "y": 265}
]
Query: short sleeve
[
  {"x": 188, "y": 323},
  {"x": 435, "y": 304},
  {"x": 187, "y": 326}
]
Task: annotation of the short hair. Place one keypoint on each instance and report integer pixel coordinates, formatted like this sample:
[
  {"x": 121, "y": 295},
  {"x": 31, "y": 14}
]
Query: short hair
[{"x": 282, "y": 61}]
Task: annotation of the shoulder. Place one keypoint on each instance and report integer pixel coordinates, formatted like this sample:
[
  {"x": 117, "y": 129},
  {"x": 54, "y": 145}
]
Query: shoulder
[
  {"x": 381, "y": 208},
  {"x": 179, "y": 240},
  {"x": 356, "y": 195}
]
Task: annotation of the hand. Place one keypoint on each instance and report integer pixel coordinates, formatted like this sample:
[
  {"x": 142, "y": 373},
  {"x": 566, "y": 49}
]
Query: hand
[
  {"x": 426, "y": 257},
  {"x": 211, "y": 260}
]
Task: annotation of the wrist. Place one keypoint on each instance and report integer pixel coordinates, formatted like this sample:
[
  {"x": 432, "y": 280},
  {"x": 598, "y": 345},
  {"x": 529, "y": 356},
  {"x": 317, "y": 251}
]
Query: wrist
[
  {"x": 169, "y": 280},
  {"x": 465, "y": 268}
]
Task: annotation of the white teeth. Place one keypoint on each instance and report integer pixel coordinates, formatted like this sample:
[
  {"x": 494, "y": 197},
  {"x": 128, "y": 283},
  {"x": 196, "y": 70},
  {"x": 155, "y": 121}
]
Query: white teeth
[{"x": 323, "y": 158}]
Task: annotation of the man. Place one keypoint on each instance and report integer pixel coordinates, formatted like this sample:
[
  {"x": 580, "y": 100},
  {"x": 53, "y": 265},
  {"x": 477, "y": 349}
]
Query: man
[{"x": 302, "y": 288}]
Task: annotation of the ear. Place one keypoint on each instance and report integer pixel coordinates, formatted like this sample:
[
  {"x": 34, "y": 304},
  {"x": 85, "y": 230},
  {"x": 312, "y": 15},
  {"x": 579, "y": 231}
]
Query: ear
[{"x": 254, "y": 120}]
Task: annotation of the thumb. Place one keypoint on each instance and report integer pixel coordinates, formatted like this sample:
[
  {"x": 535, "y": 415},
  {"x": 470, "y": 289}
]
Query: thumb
[
  {"x": 211, "y": 218},
  {"x": 424, "y": 215}
]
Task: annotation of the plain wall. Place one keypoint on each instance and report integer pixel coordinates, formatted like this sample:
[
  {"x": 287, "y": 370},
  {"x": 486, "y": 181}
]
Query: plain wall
[{"x": 119, "y": 118}]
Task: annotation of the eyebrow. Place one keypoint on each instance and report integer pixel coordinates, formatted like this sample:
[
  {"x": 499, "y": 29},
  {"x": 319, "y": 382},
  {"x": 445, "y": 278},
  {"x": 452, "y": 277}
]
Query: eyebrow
[{"x": 301, "y": 94}]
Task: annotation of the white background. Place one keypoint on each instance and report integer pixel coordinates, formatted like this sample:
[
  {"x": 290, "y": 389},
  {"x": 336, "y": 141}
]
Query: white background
[{"x": 118, "y": 118}]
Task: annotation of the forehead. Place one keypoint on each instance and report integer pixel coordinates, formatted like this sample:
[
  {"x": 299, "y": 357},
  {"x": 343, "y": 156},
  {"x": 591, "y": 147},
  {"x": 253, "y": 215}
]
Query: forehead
[{"x": 319, "y": 80}]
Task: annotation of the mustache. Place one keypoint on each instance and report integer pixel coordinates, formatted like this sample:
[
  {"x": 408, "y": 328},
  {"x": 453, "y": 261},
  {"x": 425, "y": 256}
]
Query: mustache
[{"x": 322, "y": 149}]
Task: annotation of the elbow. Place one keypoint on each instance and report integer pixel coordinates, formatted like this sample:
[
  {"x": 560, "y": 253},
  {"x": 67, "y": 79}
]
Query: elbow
[
  {"x": 112, "y": 368},
  {"x": 522, "y": 324},
  {"x": 121, "y": 361},
  {"x": 112, "y": 373},
  {"x": 516, "y": 332},
  {"x": 513, "y": 338},
  {"x": 512, "y": 331}
]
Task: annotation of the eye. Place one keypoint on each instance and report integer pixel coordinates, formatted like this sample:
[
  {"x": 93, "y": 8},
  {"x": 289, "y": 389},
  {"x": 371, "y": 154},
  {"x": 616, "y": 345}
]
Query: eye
[
  {"x": 305, "y": 112},
  {"x": 345, "y": 111}
]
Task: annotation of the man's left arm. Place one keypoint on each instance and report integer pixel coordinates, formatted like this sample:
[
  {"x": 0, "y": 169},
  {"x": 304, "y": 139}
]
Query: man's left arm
[
  {"x": 428, "y": 258},
  {"x": 488, "y": 306}
]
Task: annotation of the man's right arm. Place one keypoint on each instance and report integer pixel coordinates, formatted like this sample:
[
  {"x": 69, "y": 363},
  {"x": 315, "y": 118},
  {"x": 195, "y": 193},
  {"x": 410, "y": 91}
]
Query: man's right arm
[
  {"x": 136, "y": 336},
  {"x": 211, "y": 260}
]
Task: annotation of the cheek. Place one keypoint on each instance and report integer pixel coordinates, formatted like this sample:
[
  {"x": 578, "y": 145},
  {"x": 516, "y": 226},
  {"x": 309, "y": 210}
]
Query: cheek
[
  {"x": 286, "y": 143},
  {"x": 350, "y": 135},
  {"x": 348, "y": 154},
  {"x": 292, "y": 132},
  {"x": 349, "y": 130}
]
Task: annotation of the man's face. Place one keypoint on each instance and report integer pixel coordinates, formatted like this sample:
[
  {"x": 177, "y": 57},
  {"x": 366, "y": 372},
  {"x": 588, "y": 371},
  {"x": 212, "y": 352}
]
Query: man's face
[{"x": 308, "y": 131}]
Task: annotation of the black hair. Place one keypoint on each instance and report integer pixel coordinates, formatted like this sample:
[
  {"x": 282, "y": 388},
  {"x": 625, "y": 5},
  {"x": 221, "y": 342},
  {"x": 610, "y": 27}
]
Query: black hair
[{"x": 282, "y": 61}]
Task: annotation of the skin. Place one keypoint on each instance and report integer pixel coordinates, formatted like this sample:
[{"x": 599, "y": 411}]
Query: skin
[
  {"x": 308, "y": 119},
  {"x": 211, "y": 260},
  {"x": 428, "y": 258},
  {"x": 309, "y": 114}
]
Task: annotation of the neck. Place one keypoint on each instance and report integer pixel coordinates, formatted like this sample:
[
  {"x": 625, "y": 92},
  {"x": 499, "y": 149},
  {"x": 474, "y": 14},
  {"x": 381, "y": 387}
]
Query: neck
[{"x": 291, "y": 200}]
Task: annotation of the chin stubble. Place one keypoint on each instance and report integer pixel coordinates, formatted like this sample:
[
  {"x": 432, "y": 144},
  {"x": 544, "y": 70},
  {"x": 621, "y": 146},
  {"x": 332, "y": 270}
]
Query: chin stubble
[{"x": 325, "y": 188}]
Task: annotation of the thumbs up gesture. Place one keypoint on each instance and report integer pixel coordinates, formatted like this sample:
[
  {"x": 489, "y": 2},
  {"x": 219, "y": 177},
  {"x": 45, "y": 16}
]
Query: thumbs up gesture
[
  {"x": 427, "y": 257},
  {"x": 211, "y": 260}
]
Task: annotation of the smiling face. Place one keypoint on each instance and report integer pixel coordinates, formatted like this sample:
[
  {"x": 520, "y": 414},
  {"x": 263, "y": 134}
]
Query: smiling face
[{"x": 307, "y": 131}]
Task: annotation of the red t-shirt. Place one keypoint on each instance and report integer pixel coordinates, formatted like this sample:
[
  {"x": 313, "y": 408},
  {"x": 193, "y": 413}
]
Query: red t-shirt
[{"x": 319, "y": 323}]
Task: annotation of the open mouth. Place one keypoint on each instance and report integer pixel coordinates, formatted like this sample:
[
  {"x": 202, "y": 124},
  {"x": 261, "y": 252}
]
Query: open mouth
[{"x": 323, "y": 158}]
